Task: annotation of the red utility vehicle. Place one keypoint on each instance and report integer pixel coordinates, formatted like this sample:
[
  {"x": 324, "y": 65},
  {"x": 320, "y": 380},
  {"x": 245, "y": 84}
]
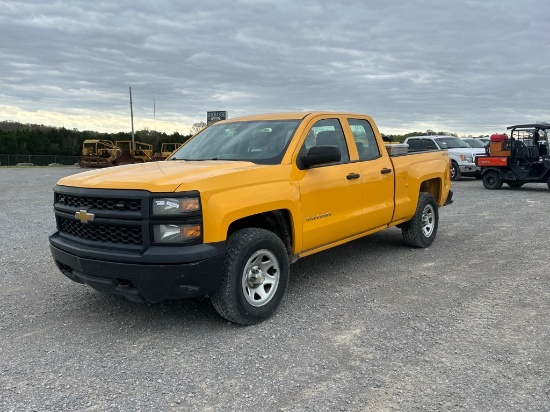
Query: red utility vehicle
[{"x": 517, "y": 159}]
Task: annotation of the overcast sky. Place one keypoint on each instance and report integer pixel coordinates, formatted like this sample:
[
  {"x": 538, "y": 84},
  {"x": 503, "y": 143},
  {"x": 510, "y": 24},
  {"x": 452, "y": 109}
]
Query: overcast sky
[{"x": 468, "y": 67}]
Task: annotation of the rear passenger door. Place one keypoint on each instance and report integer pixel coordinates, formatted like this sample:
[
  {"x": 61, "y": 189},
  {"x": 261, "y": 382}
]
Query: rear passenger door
[{"x": 377, "y": 176}]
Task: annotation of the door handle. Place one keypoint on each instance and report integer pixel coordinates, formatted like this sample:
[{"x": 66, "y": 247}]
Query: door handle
[
  {"x": 352, "y": 176},
  {"x": 385, "y": 171}
]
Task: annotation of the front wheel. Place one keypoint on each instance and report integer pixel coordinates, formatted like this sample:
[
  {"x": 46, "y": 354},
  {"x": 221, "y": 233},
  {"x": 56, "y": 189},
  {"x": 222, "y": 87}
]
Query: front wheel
[
  {"x": 492, "y": 181},
  {"x": 420, "y": 231},
  {"x": 455, "y": 171},
  {"x": 255, "y": 276}
]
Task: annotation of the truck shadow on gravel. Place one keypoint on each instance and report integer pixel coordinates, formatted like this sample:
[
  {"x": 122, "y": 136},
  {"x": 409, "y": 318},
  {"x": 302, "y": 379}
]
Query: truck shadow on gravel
[
  {"x": 95, "y": 306},
  {"x": 367, "y": 252},
  {"x": 314, "y": 273}
]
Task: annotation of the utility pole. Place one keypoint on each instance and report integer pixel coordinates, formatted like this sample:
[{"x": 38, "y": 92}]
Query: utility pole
[{"x": 132, "y": 117}]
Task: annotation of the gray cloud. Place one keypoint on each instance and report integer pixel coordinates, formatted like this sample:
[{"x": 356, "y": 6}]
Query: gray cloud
[{"x": 463, "y": 66}]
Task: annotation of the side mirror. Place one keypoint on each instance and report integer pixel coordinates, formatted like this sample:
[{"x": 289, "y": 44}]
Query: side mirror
[{"x": 320, "y": 154}]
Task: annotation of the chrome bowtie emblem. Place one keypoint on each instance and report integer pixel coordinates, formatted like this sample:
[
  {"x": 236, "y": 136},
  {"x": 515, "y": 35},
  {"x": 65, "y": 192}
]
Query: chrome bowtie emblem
[{"x": 84, "y": 216}]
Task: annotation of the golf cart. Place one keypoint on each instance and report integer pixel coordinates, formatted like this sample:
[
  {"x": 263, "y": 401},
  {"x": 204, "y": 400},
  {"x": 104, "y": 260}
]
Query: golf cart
[{"x": 517, "y": 159}]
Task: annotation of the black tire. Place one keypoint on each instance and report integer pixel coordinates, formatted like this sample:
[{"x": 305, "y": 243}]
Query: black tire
[
  {"x": 492, "y": 180},
  {"x": 455, "y": 171},
  {"x": 514, "y": 183},
  {"x": 255, "y": 276},
  {"x": 548, "y": 182},
  {"x": 421, "y": 230}
]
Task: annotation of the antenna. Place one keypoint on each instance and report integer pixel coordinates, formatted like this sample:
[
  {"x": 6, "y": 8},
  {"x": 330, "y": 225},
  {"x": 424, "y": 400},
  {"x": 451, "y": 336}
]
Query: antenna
[{"x": 132, "y": 117}]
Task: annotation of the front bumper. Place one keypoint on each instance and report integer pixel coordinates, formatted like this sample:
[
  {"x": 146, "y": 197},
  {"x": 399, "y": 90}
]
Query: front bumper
[
  {"x": 158, "y": 274},
  {"x": 469, "y": 169}
]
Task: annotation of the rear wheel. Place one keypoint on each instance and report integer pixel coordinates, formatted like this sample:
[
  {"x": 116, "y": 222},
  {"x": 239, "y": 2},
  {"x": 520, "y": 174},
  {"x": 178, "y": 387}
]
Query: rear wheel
[
  {"x": 548, "y": 182},
  {"x": 255, "y": 277},
  {"x": 492, "y": 181},
  {"x": 455, "y": 171},
  {"x": 420, "y": 231}
]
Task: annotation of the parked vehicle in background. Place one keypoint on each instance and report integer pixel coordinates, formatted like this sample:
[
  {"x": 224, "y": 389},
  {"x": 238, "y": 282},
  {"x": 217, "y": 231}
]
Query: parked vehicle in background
[
  {"x": 472, "y": 142},
  {"x": 462, "y": 155},
  {"x": 521, "y": 158}
]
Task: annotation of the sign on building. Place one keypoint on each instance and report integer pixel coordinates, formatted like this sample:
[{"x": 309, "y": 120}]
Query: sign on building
[{"x": 213, "y": 117}]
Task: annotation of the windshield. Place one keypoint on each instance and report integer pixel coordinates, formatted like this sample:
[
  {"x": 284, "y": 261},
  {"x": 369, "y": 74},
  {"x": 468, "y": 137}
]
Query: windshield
[
  {"x": 451, "y": 143},
  {"x": 262, "y": 141},
  {"x": 474, "y": 143}
]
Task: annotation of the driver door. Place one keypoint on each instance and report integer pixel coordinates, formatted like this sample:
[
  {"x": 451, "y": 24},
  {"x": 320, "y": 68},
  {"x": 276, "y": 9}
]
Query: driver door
[{"x": 330, "y": 193}]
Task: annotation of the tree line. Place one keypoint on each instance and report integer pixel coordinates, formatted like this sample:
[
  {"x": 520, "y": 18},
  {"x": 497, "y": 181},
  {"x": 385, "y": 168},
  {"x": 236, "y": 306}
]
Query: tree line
[{"x": 32, "y": 139}]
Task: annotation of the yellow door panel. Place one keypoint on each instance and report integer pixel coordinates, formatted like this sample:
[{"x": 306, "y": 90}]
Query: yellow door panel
[
  {"x": 331, "y": 204},
  {"x": 377, "y": 184}
]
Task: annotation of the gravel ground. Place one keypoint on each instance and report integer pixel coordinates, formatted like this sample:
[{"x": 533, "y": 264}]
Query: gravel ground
[{"x": 371, "y": 325}]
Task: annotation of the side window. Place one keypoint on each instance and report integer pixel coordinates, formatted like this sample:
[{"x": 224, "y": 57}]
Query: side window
[
  {"x": 367, "y": 147},
  {"x": 414, "y": 144},
  {"x": 425, "y": 144},
  {"x": 327, "y": 132}
]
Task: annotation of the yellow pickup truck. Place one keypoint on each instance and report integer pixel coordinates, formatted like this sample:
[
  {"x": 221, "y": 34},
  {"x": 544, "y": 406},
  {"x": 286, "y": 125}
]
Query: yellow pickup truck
[{"x": 228, "y": 212}]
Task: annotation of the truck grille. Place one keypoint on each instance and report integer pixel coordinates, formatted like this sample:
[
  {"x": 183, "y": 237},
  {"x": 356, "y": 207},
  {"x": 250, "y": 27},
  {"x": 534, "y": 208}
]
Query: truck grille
[
  {"x": 98, "y": 203},
  {"x": 120, "y": 217},
  {"x": 126, "y": 235}
]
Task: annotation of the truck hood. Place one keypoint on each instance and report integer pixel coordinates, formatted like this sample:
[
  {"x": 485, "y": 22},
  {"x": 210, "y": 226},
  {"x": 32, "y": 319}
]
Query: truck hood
[{"x": 165, "y": 176}]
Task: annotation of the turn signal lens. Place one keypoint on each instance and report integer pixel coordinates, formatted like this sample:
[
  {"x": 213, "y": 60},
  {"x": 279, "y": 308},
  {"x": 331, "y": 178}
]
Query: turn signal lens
[{"x": 176, "y": 233}]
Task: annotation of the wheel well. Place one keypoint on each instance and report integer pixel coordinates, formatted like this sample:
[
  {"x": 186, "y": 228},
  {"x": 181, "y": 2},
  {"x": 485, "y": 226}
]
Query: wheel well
[
  {"x": 276, "y": 221},
  {"x": 432, "y": 186}
]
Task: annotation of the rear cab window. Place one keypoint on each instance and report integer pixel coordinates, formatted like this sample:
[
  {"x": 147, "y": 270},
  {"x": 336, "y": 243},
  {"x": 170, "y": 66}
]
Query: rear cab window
[{"x": 365, "y": 140}]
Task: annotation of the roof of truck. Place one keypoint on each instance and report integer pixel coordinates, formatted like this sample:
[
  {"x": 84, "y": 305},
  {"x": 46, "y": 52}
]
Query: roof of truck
[{"x": 286, "y": 116}]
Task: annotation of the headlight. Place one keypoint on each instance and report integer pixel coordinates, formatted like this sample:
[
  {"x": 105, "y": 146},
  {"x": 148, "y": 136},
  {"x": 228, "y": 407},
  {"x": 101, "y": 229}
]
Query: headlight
[
  {"x": 175, "y": 205},
  {"x": 466, "y": 158},
  {"x": 176, "y": 233}
]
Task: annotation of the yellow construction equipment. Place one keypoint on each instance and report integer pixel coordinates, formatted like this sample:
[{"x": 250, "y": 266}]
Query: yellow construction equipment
[
  {"x": 99, "y": 153},
  {"x": 133, "y": 152},
  {"x": 166, "y": 149}
]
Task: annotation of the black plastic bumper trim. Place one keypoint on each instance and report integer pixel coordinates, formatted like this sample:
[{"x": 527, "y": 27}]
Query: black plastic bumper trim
[{"x": 143, "y": 282}]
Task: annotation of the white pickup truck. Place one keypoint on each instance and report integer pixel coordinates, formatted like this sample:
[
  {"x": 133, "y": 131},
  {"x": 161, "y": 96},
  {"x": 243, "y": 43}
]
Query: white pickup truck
[{"x": 462, "y": 155}]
